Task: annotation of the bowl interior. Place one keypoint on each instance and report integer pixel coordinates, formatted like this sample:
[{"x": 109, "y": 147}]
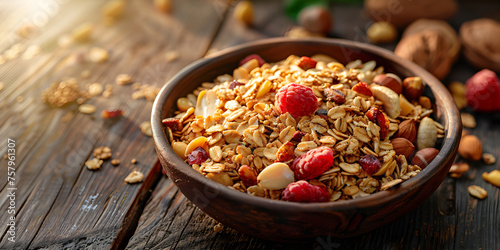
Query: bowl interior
[{"x": 277, "y": 49}]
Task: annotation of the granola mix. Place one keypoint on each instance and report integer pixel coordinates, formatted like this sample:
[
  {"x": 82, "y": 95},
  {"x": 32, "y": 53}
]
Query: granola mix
[{"x": 232, "y": 129}]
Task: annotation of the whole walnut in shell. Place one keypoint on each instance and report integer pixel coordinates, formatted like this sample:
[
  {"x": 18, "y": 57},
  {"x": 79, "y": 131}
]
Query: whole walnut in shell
[
  {"x": 428, "y": 49},
  {"x": 480, "y": 39},
  {"x": 439, "y": 26},
  {"x": 403, "y": 12}
]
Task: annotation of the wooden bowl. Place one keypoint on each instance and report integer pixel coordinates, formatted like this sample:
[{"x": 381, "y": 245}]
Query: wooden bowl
[{"x": 281, "y": 220}]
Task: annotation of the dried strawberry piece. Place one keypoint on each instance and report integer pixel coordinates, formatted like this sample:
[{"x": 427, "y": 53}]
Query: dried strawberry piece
[
  {"x": 376, "y": 116},
  {"x": 362, "y": 88},
  {"x": 313, "y": 163},
  {"x": 296, "y": 99},
  {"x": 297, "y": 136},
  {"x": 302, "y": 191},
  {"x": 197, "y": 156},
  {"x": 253, "y": 56},
  {"x": 248, "y": 176},
  {"x": 334, "y": 95},
  {"x": 370, "y": 164},
  {"x": 307, "y": 63},
  {"x": 173, "y": 123},
  {"x": 109, "y": 114},
  {"x": 285, "y": 152}
]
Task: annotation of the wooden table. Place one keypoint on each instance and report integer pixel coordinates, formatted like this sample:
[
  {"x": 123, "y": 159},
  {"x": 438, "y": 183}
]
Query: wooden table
[{"x": 59, "y": 203}]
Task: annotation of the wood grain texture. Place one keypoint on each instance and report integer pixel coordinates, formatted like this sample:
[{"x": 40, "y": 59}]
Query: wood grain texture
[{"x": 61, "y": 204}]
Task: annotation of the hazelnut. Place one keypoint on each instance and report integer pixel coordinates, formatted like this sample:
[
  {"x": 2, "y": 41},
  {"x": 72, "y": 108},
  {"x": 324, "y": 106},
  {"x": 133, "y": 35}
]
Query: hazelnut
[
  {"x": 470, "y": 148},
  {"x": 424, "y": 157},
  {"x": 425, "y": 102},
  {"x": 413, "y": 87},
  {"x": 382, "y": 32},
  {"x": 389, "y": 80},
  {"x": 316, "y": 19},
  {"x": 403, "y": 146},
  {"x": 408, "y": 130}
]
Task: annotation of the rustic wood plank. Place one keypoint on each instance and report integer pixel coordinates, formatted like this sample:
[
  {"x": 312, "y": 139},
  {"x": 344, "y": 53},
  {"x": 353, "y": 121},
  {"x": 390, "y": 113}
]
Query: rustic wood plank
[
  {"x": 432, "y": 225},
  {"x": 60, "y": 203}
]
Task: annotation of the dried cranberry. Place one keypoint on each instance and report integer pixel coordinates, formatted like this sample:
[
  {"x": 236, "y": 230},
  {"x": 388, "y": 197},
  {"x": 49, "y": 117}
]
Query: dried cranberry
[
  {"x": 370, "y": 164},
  {"x": 253, "y": 56},
  {"x": 173, "y": 123},
  {"x": 197, "y": 156},
  {"x": 297, "y": 136},
  {"x": 109, "y": 114},
  {"x": 307, "y": 63},
  {"x": 234, "y": 84},
  {"x": 334, "y": 95}
]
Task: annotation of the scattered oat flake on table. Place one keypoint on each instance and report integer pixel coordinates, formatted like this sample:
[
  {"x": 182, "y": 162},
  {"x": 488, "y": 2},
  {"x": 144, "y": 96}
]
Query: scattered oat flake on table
[
  {"x": 477, "y": 192},
  {"x": 171, "y": 56},
  {"x": 146, "y": 128},
  {"x": 123, "y": 79},
  {"x": 468, "y": 120},
  {"x": 31, "y": 51},
  {"x": 61, "y": 93},
  {"x": 98, "y": 55},
  {"x": 94, "y": 164},
  {"x": 489, "y": 158},
  {"x": 87, "y": 108},
  {"x": 134, "y": 177},
  {"x": 95, "y": 89}
]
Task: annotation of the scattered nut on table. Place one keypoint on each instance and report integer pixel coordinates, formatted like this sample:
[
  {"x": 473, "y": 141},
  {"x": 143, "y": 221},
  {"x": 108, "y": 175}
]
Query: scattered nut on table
[
  {"x": 102, "y": 153},
  {"x": 98, "y": 55},
  {"x": 458, "y": 169},
  {"x": 146, "y": 128},
  {"x": 87, "y": 108},
  {"x": 468, "y": 120},
  {"x": 470, "y": 148},
  {"x": 123, "y": 79},
  {"x": 94, "y": 164},
  {"x": 480, "y": 40},
  {"x": 134, "y": 177},
  {"x": 115, "y": 162},
  {"x": 492, "y": 177},
  {"x": 489, "y": 159},
  {"x": 382, "y": 32},
  {"x": 243, "y": 11},
  {"x": 477, "y": 192},
  {"x": 83, "y": 32}
]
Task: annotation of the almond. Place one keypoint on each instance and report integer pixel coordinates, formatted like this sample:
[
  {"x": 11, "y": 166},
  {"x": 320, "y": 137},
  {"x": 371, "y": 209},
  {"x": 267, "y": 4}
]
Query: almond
[
  {"x": 403, "y": 146},
  {"x": 408, "y": 130},
  {"x": 470, "y": 148},
  {"x": 424, "y": 157}
]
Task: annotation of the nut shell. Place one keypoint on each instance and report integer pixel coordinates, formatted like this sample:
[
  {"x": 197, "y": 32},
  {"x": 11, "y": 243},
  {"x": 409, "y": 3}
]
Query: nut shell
[
  {"x": 403, "y": 146},
  {"x": 470, "y": 148},
  {"x": 424, "y": 157},
  {"x": 480, "y": 40},
  {"x": 408, "y": 130}
]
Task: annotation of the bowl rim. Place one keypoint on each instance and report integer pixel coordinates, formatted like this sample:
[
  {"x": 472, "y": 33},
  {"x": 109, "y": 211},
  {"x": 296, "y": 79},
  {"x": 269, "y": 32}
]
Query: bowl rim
[{"x": 377, "y": 199}]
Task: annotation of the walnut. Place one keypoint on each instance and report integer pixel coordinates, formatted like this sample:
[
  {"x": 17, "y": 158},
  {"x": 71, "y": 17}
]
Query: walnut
[
  {"x": 401, "y": 13},
  {"x": 480, "y": 39},
  {"x": 427, "y": 49},
  {"x": 439, "y": 26}
]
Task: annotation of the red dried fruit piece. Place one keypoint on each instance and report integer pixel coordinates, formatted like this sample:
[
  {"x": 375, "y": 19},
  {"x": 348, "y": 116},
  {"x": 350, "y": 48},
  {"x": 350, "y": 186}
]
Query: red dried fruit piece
[
  {"x": 313, "y": 163},
  {"x": 197, "y": 156},
  {"x": 370, "y": 164},
  {"x": 297, "y": 136},
  {"x": 248, "y": 176},
  {"x": 334, "y": 95},
  {"x": 109, "y": 114},
  {"x": 296, "y": 99},
  {"x": 306, "y": 63},
  {"x": 253, "y": 56},
  {"x": 173, "y": 123},
  {"x": 302, "y": 191},
  {"x": 376, "y": 116},
  {"x": 285, "y": 152},
  {"x": 362, "y": 88},
  {"x": 233, "y": 84},
  {"x": 483, "y": 91}
]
